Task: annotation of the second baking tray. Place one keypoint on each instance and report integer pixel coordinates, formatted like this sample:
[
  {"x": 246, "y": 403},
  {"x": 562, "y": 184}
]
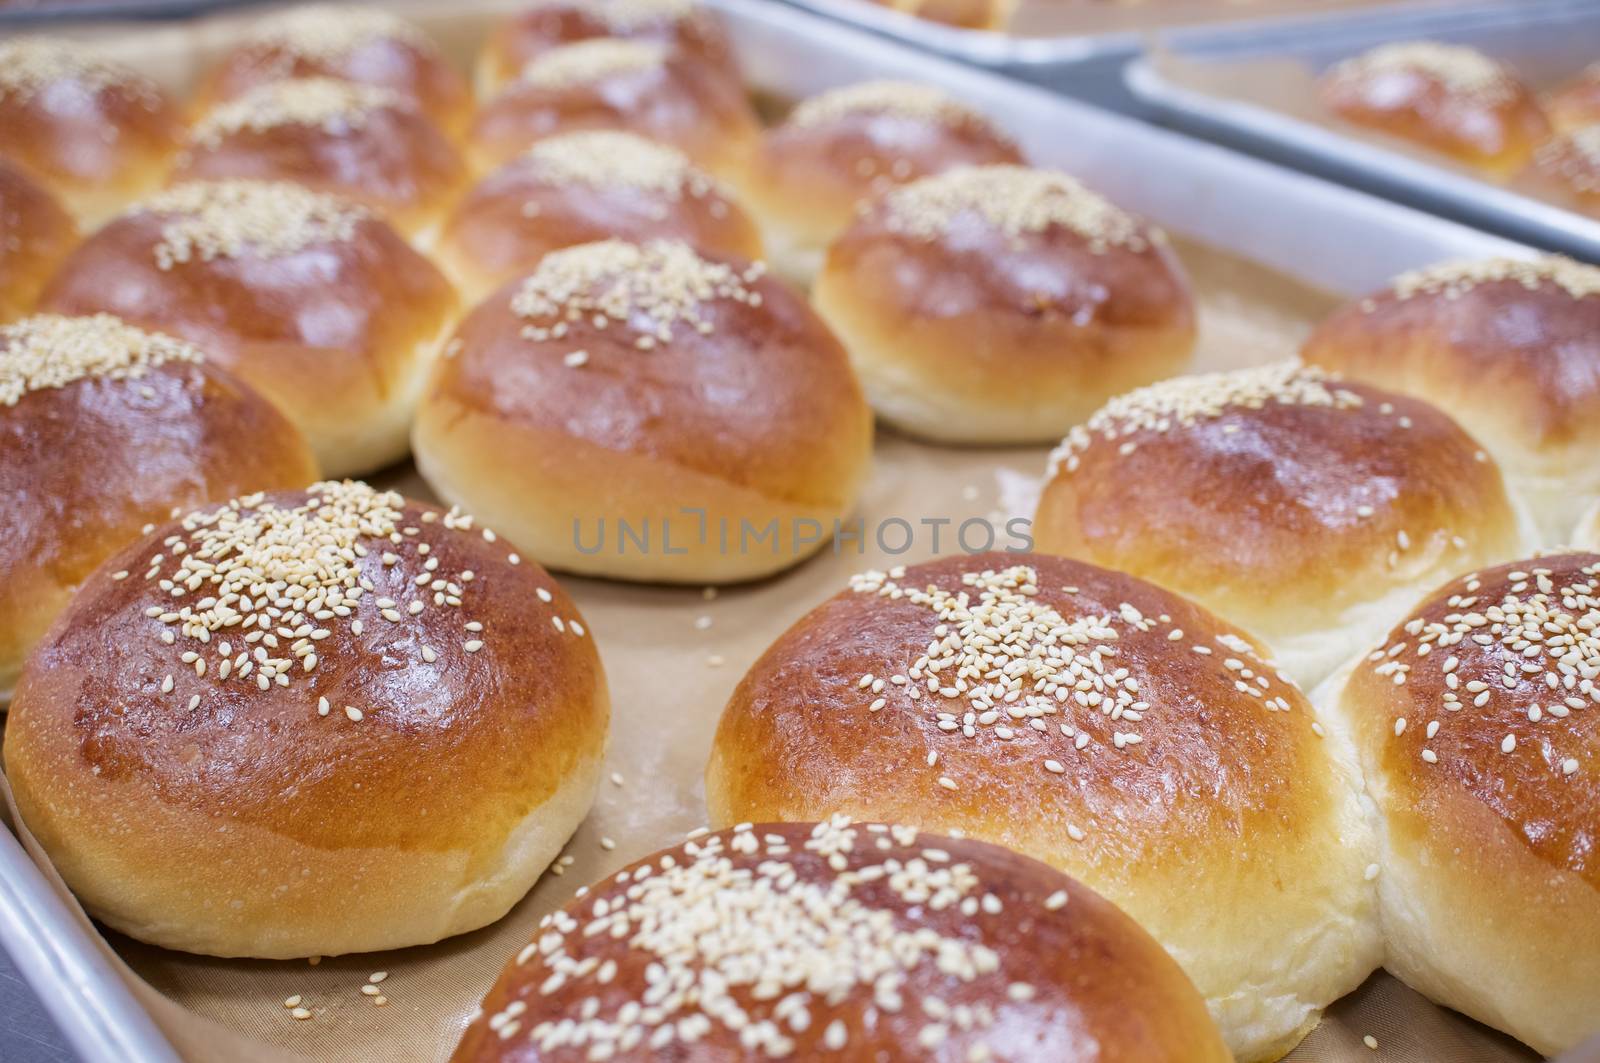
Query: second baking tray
[
  {"x": 1257, "y": 91},
  {"x": 1269, "y": 250}
]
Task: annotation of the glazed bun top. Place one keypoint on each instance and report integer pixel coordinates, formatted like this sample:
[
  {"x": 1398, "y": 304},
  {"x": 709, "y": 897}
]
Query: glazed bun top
[
  {"x": 1280, "y": 496},
  {"x": 311, "y": 662},
  {"x": 352, "y": 43},
  {"x": 840, "y": 940},
  {"x": 1485, "y": 698},
  {"x": 546, "y": 24},
  {"x": 35, "y": 233}
]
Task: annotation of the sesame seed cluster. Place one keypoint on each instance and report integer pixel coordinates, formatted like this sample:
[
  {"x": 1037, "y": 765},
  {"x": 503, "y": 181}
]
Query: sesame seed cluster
[
  {"x": 51, "y": 351},
  {"x": 746, "y": 932},
  {"x": 206, "y": 220},
  {"x": 332, "y": 105},
  {"x": 1463, "y": 71},
  {"x": 1575, "y": 157},
  {"x": 906, "y": 99},
  {"x": 1456, "y": 278},
  {"x": 1022, "y": 668},
  {"x": 1016, "y": 200},
  {"x": 605, "y": 158},
  {"x": 1188, "y": 400},
  {"x": 623, "y": 16},
  {"x": 651, "y": 288},
  {"x": 249, "y": 591},
  {"x": 29, "y": 65},
  {"x": 587, "y": 62},
  {"x": 330, "y": 32},
  {"x": 1537, "y": 641}
]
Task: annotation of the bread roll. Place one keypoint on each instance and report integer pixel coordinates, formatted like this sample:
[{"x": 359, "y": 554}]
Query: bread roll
[
  {"x": 366, "y": 45},
  {"x": 93, "y": 132},
  {"x": 1098, "y": 723},
  {"x": 104, "y": 428},
  {"x": 1450, "y": 99},
  {"x": 1577, "y": 103},
  {"x": 638, "y": 86},
  {"x": 1511, "y": 348},
  {"x": 543, "y": 25},
  {"x": 336, "y": 721},
  {"x": 35, "y": 232},
  {"x": 1312, "y": 511},
  {"x": 999, "y": 304},
  {"x": 839, "y": 940},
  {"x": 841, "y": 147},
  {"x": 318, "y": 304},
  {"x": 577, "y": 188},
  {"x": 362, "y": 142},
  {"x": 644, "y": 412},
  {"x": 1479, "y": 735},
  {"x": 1571, "y": 162}
]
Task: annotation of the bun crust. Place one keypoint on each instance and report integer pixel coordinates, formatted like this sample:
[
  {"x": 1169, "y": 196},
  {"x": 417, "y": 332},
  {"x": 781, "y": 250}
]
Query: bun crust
[
  {"x": 323, "y": 308},
  {"x": 1576, "y": 104},
  {"x": 1454, "y": 100},
  {"x": 634, "y": 86},
  {"x": 1003, "y": 305},
  {"x": 1571, "y": 162},
  {"x": 86, "y": 464},
  {"x": 1511, "y": 348},
  {"x": 35, "y": 234},
  {"x": 626, "y": 412},
  {"x": 991, "y": 951},
  {"x": 1487, "y": 790},
  {"x": 222, "y": 818},
  {"x": 826, "y": 721},
  {"x": 95, "y": 133},
  {"x": 1309, "y": 510}
]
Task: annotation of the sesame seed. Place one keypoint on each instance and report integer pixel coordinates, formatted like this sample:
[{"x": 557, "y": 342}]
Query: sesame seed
[
  {"x": 607, "y": 844},
  {"x": 355, "y": 714},
  {"x": 292, "y": 1002},
  {"x": 1372, "y": 872},
  {"x": 947, "y": 782},
  {"x": 1056, "y": 901},
  {"x": 1370, "y": 1041},
  {"x": 300, "y": 1013},
  {"x": 370, "y": 990},
  {"x": 1508, "y": 743},
  {"x": 472, "y": 645}
]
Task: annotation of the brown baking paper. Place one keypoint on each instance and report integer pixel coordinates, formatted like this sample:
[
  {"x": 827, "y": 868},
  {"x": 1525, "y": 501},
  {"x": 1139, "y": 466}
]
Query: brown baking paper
[{"x": 672, "y": 657}]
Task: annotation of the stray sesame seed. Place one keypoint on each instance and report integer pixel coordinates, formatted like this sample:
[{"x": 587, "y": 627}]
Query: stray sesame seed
[
  {"x": 300, "y": 1013},
  {"x": 1370, "y": 1041}
]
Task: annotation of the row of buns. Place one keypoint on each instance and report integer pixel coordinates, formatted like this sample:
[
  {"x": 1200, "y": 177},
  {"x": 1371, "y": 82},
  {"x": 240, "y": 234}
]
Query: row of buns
[{"x": 305, "y": 661}]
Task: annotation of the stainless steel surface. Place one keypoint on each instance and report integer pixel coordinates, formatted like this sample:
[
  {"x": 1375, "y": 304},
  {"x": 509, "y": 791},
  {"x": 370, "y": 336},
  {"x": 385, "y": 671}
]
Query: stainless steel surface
[
  {"x": 1550, "y": 37},
  {"x": 1332, "y": 237}
]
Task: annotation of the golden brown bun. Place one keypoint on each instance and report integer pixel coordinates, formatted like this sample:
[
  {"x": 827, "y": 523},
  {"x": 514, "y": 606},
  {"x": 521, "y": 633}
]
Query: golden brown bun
[
  {"x": 1451, "y": 99},
  {"x": 1487, "y": 796},
  {"x": 580, "y": 187},
  {"x": 1311, "y": 511},
  {"x": 322, "y": 307},
  {"x": 222, "y": 818},
  {"x": 638, "y": 86},
  {"x": 1225, "y": 750},
  {"x": 1571, "y": 162},
  {"x": 367, "y": 144},
  {"x": 1511, "y": 349},
  {"x": 35, "y": 233},
  {"x": 963, "y": 14},
  {"x": 1577, "y": 103},
  {"x": 999, "y": 304},
  {"x": 561, "y": 423},
  {"x": 94, "y": 133},
  {"x": 367, "y": 45},
  {"x": 837, "y": 149},
  {"x": 841, "y": 941},
  {"x": 86, "y": 463},
  {"x": 685, "y": 26}
]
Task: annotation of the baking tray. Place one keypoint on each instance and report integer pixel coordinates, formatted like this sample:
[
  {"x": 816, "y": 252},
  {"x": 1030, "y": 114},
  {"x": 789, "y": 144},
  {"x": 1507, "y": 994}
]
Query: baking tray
[
  {"x": 1294, "y": 246},
  {"x": 1257, "y": 92}
]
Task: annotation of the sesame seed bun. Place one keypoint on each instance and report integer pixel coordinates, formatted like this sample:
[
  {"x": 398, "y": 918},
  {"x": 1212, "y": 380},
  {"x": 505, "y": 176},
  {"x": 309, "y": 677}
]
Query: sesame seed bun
[
  {"x": 1309, "y": 510},
  {"x": 1510, "y": 348},
  {"x": 638, "y": 86},
  {"x": 650, "y": 386},
  {"x": 840, "y": 941},
  {"x": 402, "y": 778},
  {"x": 319, "y": 305},
  {"x": 366, "y": 45},
  {"x": 95, "y": 133},
  {"x": 1570, "y": 161},
  {"x": 999, "y": 304},
  {"x": 548, "y": 24},
  {"x": 580, "y": 187},
  {"x": 1486, "y": 792},
  {"x": 35, "y": 233},
  {"x": 365, "y": 143},
  {"x": 834, "y": 150},
  {"x": 1451, "y": 99},
  {"x": 1577, "y": 103},
  {"x": 103, "y": 429},
  {"x": 1093, "y": 721}
]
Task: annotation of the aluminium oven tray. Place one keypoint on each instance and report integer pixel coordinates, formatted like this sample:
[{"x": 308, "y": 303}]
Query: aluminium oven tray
[
  {"x": 1205, "y": 82},
  {"x": 1330, "y": 237}
]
